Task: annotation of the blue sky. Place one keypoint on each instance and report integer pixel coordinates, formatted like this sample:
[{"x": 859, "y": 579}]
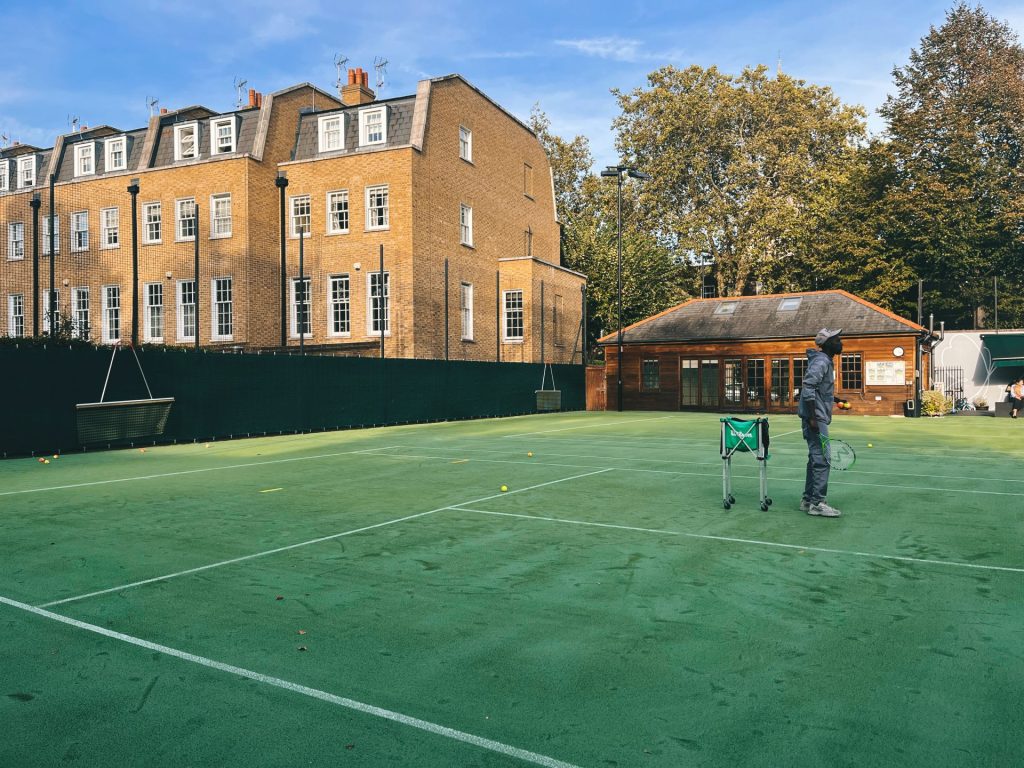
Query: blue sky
[{"x": 101, "y": 60}]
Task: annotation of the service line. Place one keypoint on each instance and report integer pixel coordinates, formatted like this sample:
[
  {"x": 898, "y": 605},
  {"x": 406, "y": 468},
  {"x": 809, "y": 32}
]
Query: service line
[{"x": 277, "y": 682}]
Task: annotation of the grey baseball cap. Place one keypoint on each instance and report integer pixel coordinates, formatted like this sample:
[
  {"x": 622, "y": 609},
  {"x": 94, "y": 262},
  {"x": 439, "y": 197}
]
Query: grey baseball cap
[{"x": 825, "y": 334}]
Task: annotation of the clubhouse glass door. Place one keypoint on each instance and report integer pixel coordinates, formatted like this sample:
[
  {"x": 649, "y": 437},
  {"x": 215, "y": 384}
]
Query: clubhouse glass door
[{"x": 710, "y": 396}]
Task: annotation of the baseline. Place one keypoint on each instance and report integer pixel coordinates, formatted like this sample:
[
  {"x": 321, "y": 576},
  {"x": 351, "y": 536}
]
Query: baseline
[
  {"x": 734, "y": 540},
  {"x": 288, "y": 547},
  {"x": 330, "y": 698}
]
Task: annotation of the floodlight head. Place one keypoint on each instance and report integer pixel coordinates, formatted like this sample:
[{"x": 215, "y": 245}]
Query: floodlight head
[
  {"x": 635, "y": 174},
  {"x": 611, "y": 171}
]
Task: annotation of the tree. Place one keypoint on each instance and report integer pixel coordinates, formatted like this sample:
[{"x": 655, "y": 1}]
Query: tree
[
  {"x": 955, "y": 143},
  {"x": 587, "y": 209},
  {"x": 744, "y": 168}
]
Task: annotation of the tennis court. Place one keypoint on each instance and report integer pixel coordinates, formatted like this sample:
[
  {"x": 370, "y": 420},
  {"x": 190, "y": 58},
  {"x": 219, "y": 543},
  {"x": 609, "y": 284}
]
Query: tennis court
[{"x": 372, "y": 598}]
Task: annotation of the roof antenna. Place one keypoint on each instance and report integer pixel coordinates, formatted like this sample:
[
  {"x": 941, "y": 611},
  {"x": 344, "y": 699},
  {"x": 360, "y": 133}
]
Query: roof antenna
[
  {"x": 239, "y": 85},
  {"x": 380, "y": 64},
  {"x": 73, "y": 122},
  {"x": 778, "y": 64},
  {"x": 4, "y": 139},
  {"x": 339, "y": 64},
  {"x": 151, "y": 103}
]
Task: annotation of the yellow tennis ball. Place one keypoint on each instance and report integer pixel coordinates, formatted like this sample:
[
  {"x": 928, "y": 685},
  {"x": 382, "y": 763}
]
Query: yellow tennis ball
[
  {"x": 870, "y": 445},
  {"x": 530, "y": 454},
  {"x": 56, "y": 456},
  {"x": 504, "y": 488},
  {"x": 46, "y": 461}
]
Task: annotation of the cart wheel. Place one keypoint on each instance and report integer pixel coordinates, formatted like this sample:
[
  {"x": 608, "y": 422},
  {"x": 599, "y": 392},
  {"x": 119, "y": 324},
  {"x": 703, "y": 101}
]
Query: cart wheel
[
  {"x": 726, "y": 504},
  {"x": 764, "y": 507},
  {"x": 768, "y": 502},
  {"x": 732, "y": 499}
]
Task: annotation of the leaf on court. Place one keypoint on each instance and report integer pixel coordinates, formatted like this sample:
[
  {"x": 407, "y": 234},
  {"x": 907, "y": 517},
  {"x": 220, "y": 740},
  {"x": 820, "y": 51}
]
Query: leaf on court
[
  {"x": 279, "y": 597},
  {"x": 350, "y": 746},
  {"x": 302, "y": 632},
  {"x": 303, "y": 648}
]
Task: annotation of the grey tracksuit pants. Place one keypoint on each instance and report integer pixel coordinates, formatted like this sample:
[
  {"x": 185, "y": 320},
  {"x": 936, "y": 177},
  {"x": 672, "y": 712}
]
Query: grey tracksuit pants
[{"x": 816, "y": 485}]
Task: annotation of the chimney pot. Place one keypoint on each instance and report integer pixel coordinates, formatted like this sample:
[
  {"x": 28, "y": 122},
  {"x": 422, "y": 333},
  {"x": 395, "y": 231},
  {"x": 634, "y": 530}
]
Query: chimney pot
[
  {"x": 366, "y": 79},
  {"x": 351, "y": 76},
  {"x": 252, "y": 97},
  {"x": 163, "y": 110}
]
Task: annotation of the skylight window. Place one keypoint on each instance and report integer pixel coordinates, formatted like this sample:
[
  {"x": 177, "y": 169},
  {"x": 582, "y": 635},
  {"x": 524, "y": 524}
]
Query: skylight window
[
  {"x": 726, "y": 308},
  {"x": 788, "y": 305}
]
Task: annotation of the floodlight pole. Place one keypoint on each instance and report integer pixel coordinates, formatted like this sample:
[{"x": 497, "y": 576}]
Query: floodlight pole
[
  {"x": 36, "y": 203},
  {"x": 617, "y": 171},
  {"x": 133, "y": 190},
  {"x": 281, "y": 182}
]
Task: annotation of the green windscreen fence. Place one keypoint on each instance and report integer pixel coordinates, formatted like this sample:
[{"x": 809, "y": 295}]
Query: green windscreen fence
[{"x": 219, "y": 395}]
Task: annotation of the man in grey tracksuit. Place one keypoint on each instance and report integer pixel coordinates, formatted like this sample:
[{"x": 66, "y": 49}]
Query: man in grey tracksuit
[{"x": 817, "y": 396}]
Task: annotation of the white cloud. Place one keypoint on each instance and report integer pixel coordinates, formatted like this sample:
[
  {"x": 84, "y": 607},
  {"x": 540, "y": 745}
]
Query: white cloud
[{"x": 616, "y": 48}]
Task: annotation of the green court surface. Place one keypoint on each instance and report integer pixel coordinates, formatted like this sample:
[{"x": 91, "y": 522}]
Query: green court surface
[{"x": 372, "y": 598}]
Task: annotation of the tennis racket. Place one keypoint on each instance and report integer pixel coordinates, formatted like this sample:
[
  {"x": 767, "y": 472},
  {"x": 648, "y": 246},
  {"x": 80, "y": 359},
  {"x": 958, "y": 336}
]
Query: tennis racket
[{"x": 838, "y": 454}]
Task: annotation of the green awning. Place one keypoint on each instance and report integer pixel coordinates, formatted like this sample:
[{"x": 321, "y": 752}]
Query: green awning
[{"x": 1007, "y": 349}]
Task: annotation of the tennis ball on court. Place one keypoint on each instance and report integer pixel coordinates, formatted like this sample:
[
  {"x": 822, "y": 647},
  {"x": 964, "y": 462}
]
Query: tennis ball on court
[
  {"x": 46, "y": 461},
  {"x": 530, "y": 454},
  {"x": 56, "y": 456},
  {"x": 870, "y": 445},
  {"x": 142, "y": 450},
  {"x": 504, "y": 488}
]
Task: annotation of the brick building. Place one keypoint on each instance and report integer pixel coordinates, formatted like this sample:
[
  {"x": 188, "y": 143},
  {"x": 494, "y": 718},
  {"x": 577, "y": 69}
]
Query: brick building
[{"x": 453, "y": 190}]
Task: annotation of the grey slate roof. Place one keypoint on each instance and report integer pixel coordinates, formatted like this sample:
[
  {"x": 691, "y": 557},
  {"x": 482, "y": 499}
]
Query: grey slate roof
[
  {"x": 399, "y": 134},
  {"x": 164, "y": 155},
  {"x": 66, "y": 170},
  {"x": 759, "y": 317}
]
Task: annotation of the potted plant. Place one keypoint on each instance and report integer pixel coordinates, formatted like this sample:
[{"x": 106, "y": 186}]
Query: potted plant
[{"x": 980, "y": 402}]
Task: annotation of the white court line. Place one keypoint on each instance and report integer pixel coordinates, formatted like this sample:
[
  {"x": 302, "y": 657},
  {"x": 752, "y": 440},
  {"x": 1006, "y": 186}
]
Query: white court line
[
  {"x": 588, "y": 426},
  {"x": 710, "y": 537},
  {"x": 794, "y": 468},
  {"x": 831, "y": 480},
  {"x": 330, "y": 698},
  {"x": 300, "y": 544},
  {"x": 195, "y": 471}
]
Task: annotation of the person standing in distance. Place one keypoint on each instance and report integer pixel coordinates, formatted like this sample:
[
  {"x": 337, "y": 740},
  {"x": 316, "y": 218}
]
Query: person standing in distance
[{"x": 817, "y": 397}]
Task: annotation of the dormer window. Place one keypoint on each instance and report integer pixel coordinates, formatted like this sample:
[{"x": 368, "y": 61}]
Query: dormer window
[
  {"x": 186, "y": 141},
  {"x": 222, "y": 135},
  {"x": 373, "y": 126},
  {"x": 331, "y": 132},
  {"x": 5, "y": 180},
  {"x": 26, "y": 171},
  {"x": 85, "y": 160},
  {"x": 116, "y": 154}
]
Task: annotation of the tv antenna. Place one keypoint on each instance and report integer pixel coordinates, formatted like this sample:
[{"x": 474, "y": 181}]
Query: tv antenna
[
  {"x": 73, "y": 122},
  {"x": 151, "y": 103},
  {"x": 339, "y": 64},
  {"x": 239, "y": 85},
  {"x": 380, "y": 64},
  {"x": 4, "y": 139}
]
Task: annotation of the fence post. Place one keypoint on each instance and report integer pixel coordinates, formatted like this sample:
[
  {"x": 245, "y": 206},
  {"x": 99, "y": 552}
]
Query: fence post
[
  {"x": 51, "y": 296},
  {"x": 195, "y": 266},
  {"x": 133, "y": 190},
  {"x": 36, "y": 203},
  {"x": 446, "y": 309},
  {"x": 281, "y": 182}
]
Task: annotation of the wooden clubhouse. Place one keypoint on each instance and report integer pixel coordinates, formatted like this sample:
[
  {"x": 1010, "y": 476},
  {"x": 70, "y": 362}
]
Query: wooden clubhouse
[{"x": 749, "y": 353}]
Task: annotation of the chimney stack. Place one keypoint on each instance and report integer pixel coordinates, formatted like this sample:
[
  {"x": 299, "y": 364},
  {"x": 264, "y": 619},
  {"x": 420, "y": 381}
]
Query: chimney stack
[{"x": 357, "y": 91}]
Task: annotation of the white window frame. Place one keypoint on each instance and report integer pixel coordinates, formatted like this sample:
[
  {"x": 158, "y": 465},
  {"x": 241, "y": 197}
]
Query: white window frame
[
  {"x": 218, "y": 229},
  {"x": 5, "y": 177},
  {"x": 365, "y": 124},
  {"x": 215, "y": 144},
  {"x": 78, "y": 243},
  {"x": 44, "y": 234},
  {"x": 180, "y": 303},
  {"x": 110, "y": 146},
  {"x": 507, "y": 314},
  {"x": 323, "y": 132},
  {"x": 466, "y": 225},
  {"x": 180, "y": 220},
  {"x": 339, "y": 304},
  {"x": 16, "y": 320},
  {"x": 15, "y": 253},
  {"x": 331, "y": 228},
  {"x": 294, "y": 307},
  {"x": 293, "y": 217},
  {"x": 466, "y": 310},
  {"x": 465, "y": 144},
  {"x": 179, "y": 131},
  {"x": 370, "y": 226},
  {"x": 26, "y": 171},
  {"x": 215, "y": 304},
  {"x": 46, "y": 297},
  {"x": 370, "y": 296},
  {"x": 147, "y": 223},
  {"x": 80, "y": 311},
  {"x": 153, "y": 312},
  {"x": 85, "y": 158},
  {"x": 110, "y": 227},
  {"x": 105, "y": 324}
]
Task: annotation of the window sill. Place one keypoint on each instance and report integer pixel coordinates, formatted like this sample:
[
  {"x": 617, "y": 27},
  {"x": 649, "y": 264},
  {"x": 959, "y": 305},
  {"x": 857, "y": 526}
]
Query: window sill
[
  {"x": 339, "y": 335},
  {"x": 152, "y": 242},
  {"x": 378, "y": 229},
  {"x": 221, "y": 338},
  {"x": 387, "y": 334},
  {"x": 466, "y": 160},
  {"x": 468, "y": 245},
  {"x": 337, "y": 232},
  {"x": 110, "y": 247},
  {"x": 184, "y": 239},
  {"x": 468, "y": 340},
  {"x": 221, "y": 237},
  {"x": 511, "y": 341}
]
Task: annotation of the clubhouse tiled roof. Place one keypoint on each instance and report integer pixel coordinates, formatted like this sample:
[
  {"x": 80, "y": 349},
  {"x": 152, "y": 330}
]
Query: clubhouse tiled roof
[{"x": 764, "y": 317}]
